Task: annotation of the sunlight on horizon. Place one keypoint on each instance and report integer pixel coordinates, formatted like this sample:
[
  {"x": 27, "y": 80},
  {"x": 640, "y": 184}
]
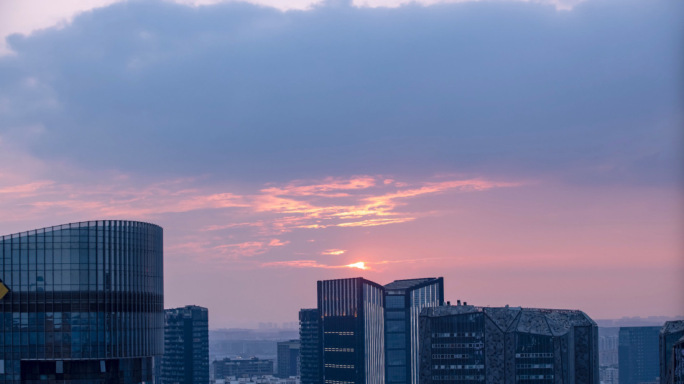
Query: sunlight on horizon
[{"x": 359, "y": 265}]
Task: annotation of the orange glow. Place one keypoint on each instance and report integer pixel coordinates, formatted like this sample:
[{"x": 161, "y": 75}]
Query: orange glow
[
  {"x": 333, "y": 252},
  {"x": 359, "y": 265}
]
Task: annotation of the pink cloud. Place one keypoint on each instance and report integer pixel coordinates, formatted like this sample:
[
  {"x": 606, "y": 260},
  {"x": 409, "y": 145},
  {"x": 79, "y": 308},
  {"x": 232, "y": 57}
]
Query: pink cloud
[
  {"x": 277, "y": 243},
  {"x": 333, "y": 252},
  {"x": 255, "y": 222},
  {"x": 313, "y": 264},
  {"x": 327, "y": 188},
  {"x": 364, "y": 265},
  {"x": 25, "y": 190}
]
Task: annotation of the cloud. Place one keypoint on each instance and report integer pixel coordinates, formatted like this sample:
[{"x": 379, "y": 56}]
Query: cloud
[
  {"x": 333, "y": 252},
  {"x": 559, "y": 4},
  {"x": 363, "y": 265},
  {"x": 247, "y": 93},
  {"x": 300, "y": 264},
  {"x": 372, "y": 201},
  {"x": 26, "y": 190},
  {"x": 314, "y": 264},
  {"x": 222, "y": 221},
  {"x": 27, "y": 16}
]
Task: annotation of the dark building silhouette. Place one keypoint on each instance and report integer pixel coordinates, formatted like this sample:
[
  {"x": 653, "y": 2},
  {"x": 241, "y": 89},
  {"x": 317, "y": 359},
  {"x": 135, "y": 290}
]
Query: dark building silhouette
[
  {"x": 671, "y": 352},
  {"x": 288, "y": 358},
  {"x": 82, "y": 303},
  {"x": 186, "y": 346},
  {"x": 353, "y": 331},
  {"x": 470, "y": 344},
  {"x": 242, "y": 368},
  {"x": 404, "y": 299},
  {"x": 638, "y": 355},
  {"x": 311, "y": 349}
]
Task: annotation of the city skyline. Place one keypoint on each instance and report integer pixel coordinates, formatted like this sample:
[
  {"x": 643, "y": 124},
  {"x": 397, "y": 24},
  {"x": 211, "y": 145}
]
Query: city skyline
[{"x": 278, "y": 148}]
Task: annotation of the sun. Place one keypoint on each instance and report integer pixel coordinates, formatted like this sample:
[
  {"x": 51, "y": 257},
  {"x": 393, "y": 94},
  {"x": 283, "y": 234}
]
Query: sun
[{"x": 359, "y": 265}]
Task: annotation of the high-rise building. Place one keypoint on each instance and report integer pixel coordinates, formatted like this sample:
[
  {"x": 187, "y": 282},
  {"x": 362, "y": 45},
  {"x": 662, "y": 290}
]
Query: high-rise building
[
  {"x": 81, "y": 303},
  {"x": 353, "y": 330},
  {"x": 311, "y": 350},
  {"x": 671, "y": 352},
  {"x": 288, "y": 358},
  {"x": 186, "y": 346},
  {"x": 241, "y": 368},
  {"x": 638, "y": 355},
  {"x": 404, "y": 299},
  {"x": 469, "y": 344}
]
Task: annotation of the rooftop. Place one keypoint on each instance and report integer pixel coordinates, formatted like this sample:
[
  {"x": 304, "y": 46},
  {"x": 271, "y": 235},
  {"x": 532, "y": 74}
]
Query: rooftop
[
  {"x": 551, "y": 322},
  {"x": 673, "y": 326},
  {"x": 409, "y": 283}
]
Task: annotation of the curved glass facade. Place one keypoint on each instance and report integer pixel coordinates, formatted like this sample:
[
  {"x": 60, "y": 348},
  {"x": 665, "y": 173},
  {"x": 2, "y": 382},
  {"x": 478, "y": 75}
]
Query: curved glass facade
[{"x": 85, "y": 303}]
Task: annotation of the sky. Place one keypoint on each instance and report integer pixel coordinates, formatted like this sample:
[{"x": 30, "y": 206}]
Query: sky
[{"x": 530, "y": 152}]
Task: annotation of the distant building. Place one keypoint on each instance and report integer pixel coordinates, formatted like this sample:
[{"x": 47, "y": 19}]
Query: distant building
[
  {"x": 256, "y": 380},
  {"x": 353, "y": 331},
  {"x": 186, "y": 346},
  {"x": 311, "y": 350},
  {"x": 288, "y": 358},
  {"x": 671, "y": 347},
  {"x": 638, "y": 355},
  {"x": 608, "y": 346},
  {"x": 470, "y": 344},
  {"x": 404, "y": 299},
  {"x": 241, "y": 368},
  {"x": 609, "y": 375}
]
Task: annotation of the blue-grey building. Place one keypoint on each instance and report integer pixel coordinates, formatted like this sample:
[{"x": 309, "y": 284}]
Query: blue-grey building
[
  {"x": 404, "y": 300},
  {"x": 288, "y": 359},
  {"x": 352, "y": 331},
  {"x": 186, "y": 346},
  {"x": 311, "y": 350},
  {"x": 509, "y": 345},
  {"x": 638, "y": 358},
  {"x": 241, "y": 368},
  {"x": 84, "y": 303}
]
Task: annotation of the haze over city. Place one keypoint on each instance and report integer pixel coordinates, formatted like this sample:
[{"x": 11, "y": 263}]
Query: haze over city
[{"x": 529, "y": 152}]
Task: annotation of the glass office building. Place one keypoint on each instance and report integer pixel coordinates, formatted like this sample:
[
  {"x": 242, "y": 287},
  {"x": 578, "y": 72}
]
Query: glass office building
[
  {"x": 352, "y": 327},
  {"x": 468, "y": 344},
  {"x": 403, "y": 302},
  {"x": 85, "y": 303}
]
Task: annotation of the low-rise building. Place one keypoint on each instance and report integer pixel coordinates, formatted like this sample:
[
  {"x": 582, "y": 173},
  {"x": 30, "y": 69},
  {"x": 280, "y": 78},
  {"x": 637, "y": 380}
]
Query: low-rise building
[
  {"x": 288, "y": 359},
  {"x": 241, "y": 368}
]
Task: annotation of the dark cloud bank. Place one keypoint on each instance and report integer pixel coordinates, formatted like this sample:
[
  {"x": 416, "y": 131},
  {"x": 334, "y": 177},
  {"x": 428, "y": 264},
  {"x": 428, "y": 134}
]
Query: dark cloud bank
[{"x": 244, "y": 92}]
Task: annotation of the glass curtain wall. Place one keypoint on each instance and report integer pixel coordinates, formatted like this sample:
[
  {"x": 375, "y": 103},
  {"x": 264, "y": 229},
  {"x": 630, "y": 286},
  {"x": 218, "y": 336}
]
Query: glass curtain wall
[
  {"x": 90, "y": 290},
  {"x": 404, "y": 301},
  {"x": 352, "y": 328}
]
